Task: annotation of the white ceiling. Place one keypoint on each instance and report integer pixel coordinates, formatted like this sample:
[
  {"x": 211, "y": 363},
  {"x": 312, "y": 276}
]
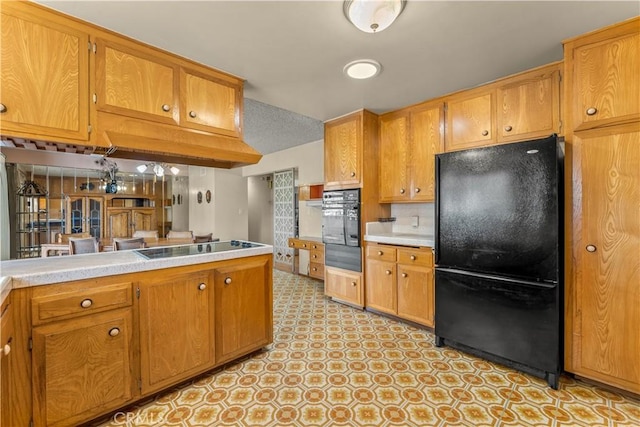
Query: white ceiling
[{"x": 292, "y": 53}]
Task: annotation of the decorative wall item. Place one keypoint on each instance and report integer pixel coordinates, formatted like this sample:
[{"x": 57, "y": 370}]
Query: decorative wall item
[
  {"x": 199, "y": 197},
  {"x": 179, "y": 199},
  {"x": 208, "y": 196},
  {"x": 173, "y": 199},
  {"x": 283, "y": 216}
]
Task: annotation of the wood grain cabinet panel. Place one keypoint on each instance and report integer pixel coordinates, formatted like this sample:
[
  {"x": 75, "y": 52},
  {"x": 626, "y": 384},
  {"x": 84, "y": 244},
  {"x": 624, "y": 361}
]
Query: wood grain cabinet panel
[
  {"x": 344, "y": 285},
  {"x": 342, "y": 152},
  {"x": 381, "y": 289},
  {"x": 137, "y": 83},
  {"x": 45, "y": 75},
  {"x": 210, "y": 103},
  {"x": 470, "y": 119},
  {"x": 416, "y": 294},
  {"x": 124, "y": 222},
  {"x": 82, "y": 367},
  {"x": 243, "y": 313},
  {"x": 427, "y": 140},
  {"x": 6, "y": 343},
  {"x": 394, "y": 157}
]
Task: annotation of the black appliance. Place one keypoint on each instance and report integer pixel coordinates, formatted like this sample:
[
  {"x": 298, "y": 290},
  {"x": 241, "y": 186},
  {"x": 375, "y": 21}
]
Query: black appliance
[
  {"x": 341, "y": 229},
  {"x": 499, "y": 249},
  {"x": 194, "y": 249}
]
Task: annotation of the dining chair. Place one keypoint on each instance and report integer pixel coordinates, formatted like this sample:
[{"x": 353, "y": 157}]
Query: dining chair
[
  {"x": 204, "y": 238},
  {"x": 87, "y": 245},
  {"x": 120, "y": 244},
  {"x": 180, "y": 235},
  {"x": 146, "y": 233}
]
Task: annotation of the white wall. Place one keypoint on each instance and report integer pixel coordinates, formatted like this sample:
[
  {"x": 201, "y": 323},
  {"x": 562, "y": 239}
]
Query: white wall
[
  {"x": 403, "y": 213},
  {"x": 260, "y": 194},
  {"x": 226, "y": 215},
  {"x": 180, "y": 212},
  {"x": 309, "y": 160}
]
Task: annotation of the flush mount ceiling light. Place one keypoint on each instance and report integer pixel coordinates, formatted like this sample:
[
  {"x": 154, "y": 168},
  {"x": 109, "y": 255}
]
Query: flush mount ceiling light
[
  {"x": 362, "y": 69},
  {"x": 373, "y": 16}
]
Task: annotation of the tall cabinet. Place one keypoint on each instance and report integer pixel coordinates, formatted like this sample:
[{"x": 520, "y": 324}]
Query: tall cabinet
[{"x": 602, "y": 337}]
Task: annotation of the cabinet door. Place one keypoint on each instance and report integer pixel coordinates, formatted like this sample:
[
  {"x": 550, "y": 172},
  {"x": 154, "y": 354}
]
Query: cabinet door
[
  {"x": 94, "y": 213},
  {"x": 344, "y": 285},
  {"x": 427, "y": 139},
  {"x": 529, "y": 107},
  {"x": 209, "y": 103},
  {"x": 244, "y": 318},
  {"x": 82, "y": 367},
  {"x": 394, "y": 157},
  {"x": 84, "y": 215},
  {"x": 342, "y": 154},
  {"x": 470, "y": 121},
  {"x": 607, "y": 267},
  {"x": 118, "y": 223},
  {"x": 416, "y": 294},
  {"x": 6, "y": 338},
  {"x": 607, "y": 81},
  {"x": 143, "y": 219},
  {"x": 45, "y": 75},
  {"x": 176, "y": 328},
  {"x": 136, "y": 83},
  {"x": 381, "y": 286}
]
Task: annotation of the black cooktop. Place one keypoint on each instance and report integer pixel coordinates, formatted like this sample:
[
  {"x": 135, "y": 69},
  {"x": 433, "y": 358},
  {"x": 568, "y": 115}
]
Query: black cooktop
[{"x": 195, "y": 249}]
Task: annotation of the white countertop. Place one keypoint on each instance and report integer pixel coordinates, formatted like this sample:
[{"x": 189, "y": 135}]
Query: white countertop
[
  {"x": 384, "y": 233},
  {"x": 43, "y": 271}
]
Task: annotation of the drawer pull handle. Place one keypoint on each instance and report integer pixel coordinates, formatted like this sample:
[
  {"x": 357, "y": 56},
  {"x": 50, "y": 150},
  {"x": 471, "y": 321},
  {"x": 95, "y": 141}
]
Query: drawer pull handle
[
  {"x": 227, "y": 281},
  {"x": 508, "y": 128},
  {"x": 387, "y": 272},
  {"x": 592, "y": 111},
  {"x": 402, "y": 191},
  {"x": 353, "y": 283},
  {"x": 315, "y": 269},
  {"x": 6, "y": 349},
  {"x": 591, "y": 248},
  {"x": 202, "y": 286},
  {"x": 353, "y": 174},
  {"x": 314, "y": 246},
  {"x": 114, "y": 332},
  {"x": 192, "y": 114},
  {"x": 417, "y": 190},
  {"x": 304, "y": 245},
  {"x": 485, "y": 132},
  {"x": 315, "y": 256},
  {"x": 380, "y": 253},
  {"x": 166, "y": 107},
  {"x": 86, "y": 303},
  {"x": 3, "y": 108},
  {"x": 404, "y": 274},
  {"x": 412, "y": 257}
]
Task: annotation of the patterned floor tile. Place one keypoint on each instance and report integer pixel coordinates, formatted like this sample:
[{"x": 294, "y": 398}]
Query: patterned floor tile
[{"x": 333, "y": 365}]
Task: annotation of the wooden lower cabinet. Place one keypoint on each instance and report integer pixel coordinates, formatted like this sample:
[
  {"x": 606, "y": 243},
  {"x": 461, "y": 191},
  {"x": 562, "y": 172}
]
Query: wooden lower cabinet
[
  {"x": 6, "y": 343},
  {"x": 400, "y": 281},
  {"x": 176, "y": 328},
  {"x": 344, "y": 285},
  {"x": 243, "y": 308},
  {"x": 315, "y": 265},
  {"x": 82, "y": 367}
]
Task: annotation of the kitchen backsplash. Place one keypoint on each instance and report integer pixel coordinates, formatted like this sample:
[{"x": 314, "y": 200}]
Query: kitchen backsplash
[{"x": 405, "y": 215}]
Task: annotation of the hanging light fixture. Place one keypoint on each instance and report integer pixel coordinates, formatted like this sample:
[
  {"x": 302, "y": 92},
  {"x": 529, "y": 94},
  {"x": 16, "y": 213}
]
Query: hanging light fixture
[
  {"x": 373, "y": 16},
  {"x": 158, "y": 169}
]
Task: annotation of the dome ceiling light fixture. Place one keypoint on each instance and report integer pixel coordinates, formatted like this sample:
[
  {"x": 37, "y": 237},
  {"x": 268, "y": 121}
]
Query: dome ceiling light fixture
[
  {"x": 362, "y": 69},
  {"x": 373, "y": 16}
]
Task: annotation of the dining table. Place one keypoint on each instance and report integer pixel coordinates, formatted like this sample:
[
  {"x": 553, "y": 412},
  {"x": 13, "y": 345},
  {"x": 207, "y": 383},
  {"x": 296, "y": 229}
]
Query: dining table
[{"x": 106, "y": 245}]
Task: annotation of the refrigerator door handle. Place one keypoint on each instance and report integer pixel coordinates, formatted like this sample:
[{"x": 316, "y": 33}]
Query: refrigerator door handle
[
  {"x": 546, "y": 285},
  {"x": 436, "y": 234}
]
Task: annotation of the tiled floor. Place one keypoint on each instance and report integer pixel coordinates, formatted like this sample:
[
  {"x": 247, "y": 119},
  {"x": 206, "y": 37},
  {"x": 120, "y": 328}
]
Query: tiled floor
[{"x": 331, "y": 365}]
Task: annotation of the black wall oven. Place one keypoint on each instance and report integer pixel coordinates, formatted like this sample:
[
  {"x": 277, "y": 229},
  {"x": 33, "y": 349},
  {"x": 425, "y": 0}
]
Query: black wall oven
[{"x": 341, "y": 229}]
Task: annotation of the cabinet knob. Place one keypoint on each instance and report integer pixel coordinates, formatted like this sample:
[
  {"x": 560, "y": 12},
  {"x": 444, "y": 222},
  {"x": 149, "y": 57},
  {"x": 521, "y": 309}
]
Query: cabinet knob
[
  {"x": 290, "y": 243},
  {"x": 508, "y": 128},
  {"x": 315, "y": 256},
  {"x": 404, "y": 274},
  {"x": 380, "y": 253},
  {"x": 86, "y": 303},
  {"x": 591, "y": 111},
  {"x": 202, "y": 286},
  {"x": 353, "y": 174},
  {"x": 314, "y": 246},
  {"x": 315, "y": 269},
  {"x": 3, "y": 108},
  {"x": 402, "y": 191},
  {"x": 166, "y": 107},
  {"x": 418, "y": 190},
  {"x": 227, "y": 281},
  {"x": 387, "y": 272},
  {"x": 304, "y": 245},
  {"x": 412, "y": 257},
  {"x": 6, "y": 349},
  {"x": 353, "y": 283},
  {"x": 485, "y": 132},
  {"x": 591, "y": 248},
  {"x": 114, "y": 332},
  {"x": 192, "y": 114}
]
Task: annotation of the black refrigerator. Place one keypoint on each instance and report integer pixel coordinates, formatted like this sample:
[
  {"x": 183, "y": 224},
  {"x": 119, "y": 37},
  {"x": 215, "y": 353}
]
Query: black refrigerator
[{"x": 499, "y": 252}]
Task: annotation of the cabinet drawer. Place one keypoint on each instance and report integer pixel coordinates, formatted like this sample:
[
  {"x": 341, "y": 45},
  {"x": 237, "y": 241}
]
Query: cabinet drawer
[
  {"x": 78, "y": 303},
  {"x": 421, "y": 256},
  {"x": 381, "y": 253},
  {"x": 318, "y": 246},
  {"x": 316, "y": 270},
  {"x": 317, "y": 256}
]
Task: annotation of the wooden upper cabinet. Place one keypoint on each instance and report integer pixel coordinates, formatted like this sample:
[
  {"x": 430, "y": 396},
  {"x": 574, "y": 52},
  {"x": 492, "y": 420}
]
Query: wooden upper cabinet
[
  {"x": 136, "y": 82},
  {"x": 394, "y": 157},
  {"x": 606, "y": 80},
  {"x": 529, "y": 105},
  {"x": 343, "y": 151},
  {"x": 470, "y": 119},
  {"x": 427, "y": 139},
  {"x": 210, "y": 103},
  {"x": 45, "y": 75}
]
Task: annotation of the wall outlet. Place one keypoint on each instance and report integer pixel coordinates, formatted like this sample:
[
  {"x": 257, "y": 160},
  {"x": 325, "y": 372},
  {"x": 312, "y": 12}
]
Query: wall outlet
[{"x": 414, "y": 221}]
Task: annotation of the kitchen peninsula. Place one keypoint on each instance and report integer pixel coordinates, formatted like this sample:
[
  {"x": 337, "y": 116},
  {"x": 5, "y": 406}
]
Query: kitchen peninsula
[{"x": 94, "y": 333}]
